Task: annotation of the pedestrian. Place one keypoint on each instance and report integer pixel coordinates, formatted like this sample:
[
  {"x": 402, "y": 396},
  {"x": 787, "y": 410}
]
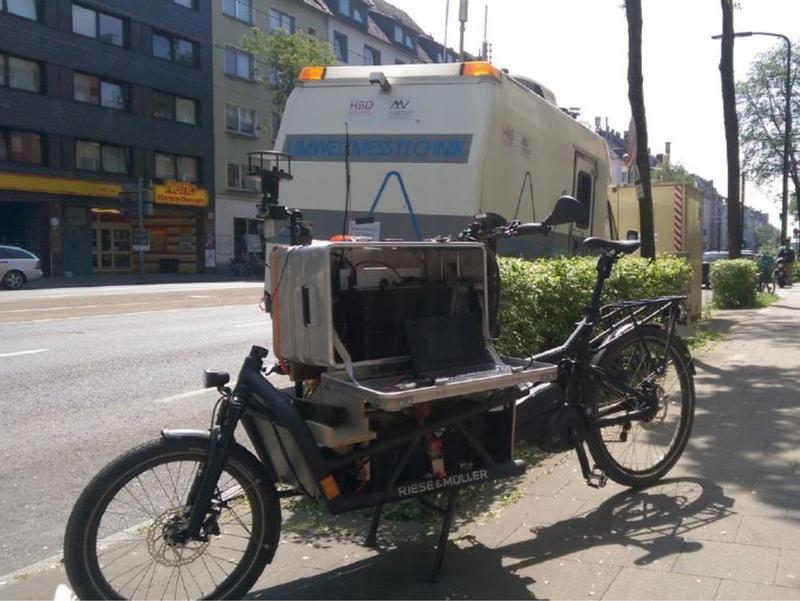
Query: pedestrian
[{"x": 786, "y": 252}]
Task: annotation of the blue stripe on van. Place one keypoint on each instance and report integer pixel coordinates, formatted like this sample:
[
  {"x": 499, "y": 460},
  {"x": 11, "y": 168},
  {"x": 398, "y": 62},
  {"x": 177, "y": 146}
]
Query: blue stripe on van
[{"x": 380, "y": 148}]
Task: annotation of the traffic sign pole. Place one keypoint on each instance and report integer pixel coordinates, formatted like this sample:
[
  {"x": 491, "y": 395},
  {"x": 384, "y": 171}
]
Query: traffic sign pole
[{"x": 140, "y": 193}]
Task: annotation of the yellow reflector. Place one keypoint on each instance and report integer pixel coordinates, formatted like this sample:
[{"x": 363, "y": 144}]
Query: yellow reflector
[
  {"x": 312, "y": 73},
  {"x": 329, "y": 488},
  {"x": 480, "y": 69}
]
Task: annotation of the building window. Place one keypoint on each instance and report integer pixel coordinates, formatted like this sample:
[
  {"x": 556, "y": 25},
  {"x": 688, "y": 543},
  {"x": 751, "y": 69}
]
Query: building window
[
  {"x": 371, "y": 56},
  {"x": 101, "y": 158},
  {"x": 174, "y": 108},
  {"x": 22, "y": 8},
  {"x": 239, "y": 9},
  {"x": 20, "y": 73},
  {"x": 240, "y": 120},
  {"x": 276, "y": 125},
  {"x": 344, "y": 7},
  {"x": 402, "y": 37},
  {"x": 175, "y": 49},
  {"x": 239, "y": 63},
  {"x": 94, "y": 24},
  {"x": 94, "y": 90},
  {"x": 185, "y": 3},
  {"x": 280, "y": 21},
  {"x": 352, "y": 9},
  {"x": 21, "y": 147},
  {"x": 340, "y": 46},
  {"x": 170, "y": 166},
  {"x": 238, "y": 178}
]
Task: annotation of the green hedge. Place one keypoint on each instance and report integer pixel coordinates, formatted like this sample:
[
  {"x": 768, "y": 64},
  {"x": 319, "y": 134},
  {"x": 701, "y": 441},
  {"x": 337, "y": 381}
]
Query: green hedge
[
  {"x": 540, "y": 301},
  {"x": 733, "y": 283}
]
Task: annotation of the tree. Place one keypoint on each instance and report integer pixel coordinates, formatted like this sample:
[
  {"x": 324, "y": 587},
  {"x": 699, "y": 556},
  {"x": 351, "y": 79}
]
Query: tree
[
  {"x": 767, "y": 239},
  {"x": 280, "y": 56},
  {"x": 761, "y": 102},
  {"x": 731, "y": 130},
  {"x": 633, "y": 13}
]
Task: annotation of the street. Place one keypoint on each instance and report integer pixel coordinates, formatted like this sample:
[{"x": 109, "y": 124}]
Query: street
[{"x": 88, "y": 373}]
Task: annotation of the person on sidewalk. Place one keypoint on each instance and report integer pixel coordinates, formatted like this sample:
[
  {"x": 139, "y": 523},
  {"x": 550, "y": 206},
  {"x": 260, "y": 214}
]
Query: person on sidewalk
[{"x": 786, "y": 252}]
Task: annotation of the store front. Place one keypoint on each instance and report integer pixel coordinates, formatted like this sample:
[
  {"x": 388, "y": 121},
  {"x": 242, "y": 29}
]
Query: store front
[{"x": 79, "y": 227}]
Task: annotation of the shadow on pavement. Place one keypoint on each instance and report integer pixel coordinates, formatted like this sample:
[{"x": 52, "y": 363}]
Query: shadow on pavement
[{"x": 655, "y": 519}]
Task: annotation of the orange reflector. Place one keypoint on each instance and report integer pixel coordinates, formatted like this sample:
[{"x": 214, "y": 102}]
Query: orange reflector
[
  {"x": 480, "y": 69},
  {"x": 341, "y": 238},
  {"x": 312, "y": 73},
  {"x": 329, "y": 488}
]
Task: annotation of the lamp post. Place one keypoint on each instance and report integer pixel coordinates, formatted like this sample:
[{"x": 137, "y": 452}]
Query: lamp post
[{"x": 787, "y": 127}]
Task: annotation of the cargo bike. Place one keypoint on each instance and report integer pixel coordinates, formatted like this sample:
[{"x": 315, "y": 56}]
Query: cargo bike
[{"x": 400, "y": 394}]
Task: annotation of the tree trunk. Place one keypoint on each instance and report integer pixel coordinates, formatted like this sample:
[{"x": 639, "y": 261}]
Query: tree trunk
[
  {"x": 731, "y": 130},
  {"x": 633, "y": 12}
]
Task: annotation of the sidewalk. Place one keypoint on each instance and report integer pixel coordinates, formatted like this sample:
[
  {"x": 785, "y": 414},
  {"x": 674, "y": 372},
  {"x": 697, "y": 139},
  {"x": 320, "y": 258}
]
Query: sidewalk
[{"x": 725, "y": 524}]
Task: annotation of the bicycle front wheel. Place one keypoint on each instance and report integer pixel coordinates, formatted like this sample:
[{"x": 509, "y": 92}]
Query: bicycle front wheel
[
  {"x": 119, "y": 545},
  {"x": 637, "y": 453}
]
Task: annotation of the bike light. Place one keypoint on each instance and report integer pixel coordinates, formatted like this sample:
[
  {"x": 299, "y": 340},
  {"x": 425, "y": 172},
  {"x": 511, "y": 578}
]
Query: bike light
[
  {"x": 311, "y": 74},
  {"x": 480, "y": 69}
]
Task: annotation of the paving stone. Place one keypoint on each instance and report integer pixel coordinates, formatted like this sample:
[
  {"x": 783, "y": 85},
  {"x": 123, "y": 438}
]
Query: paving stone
[
  {"x": 789, "y": 570},
  {"x": 730, "y": 560},
  {"x": 735, "y": 589},
  {"x": 636, "y": 583},
  {"x": 568, "y": 579},
  {"x": 769, "y": 532}
]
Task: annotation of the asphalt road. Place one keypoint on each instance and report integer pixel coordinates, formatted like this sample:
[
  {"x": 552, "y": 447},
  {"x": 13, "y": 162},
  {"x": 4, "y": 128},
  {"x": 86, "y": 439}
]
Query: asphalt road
[{"x": 86, "y": 374}]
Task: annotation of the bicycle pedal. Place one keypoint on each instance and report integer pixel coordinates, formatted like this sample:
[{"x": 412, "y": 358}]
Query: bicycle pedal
[{"x": 597, "y": 478}]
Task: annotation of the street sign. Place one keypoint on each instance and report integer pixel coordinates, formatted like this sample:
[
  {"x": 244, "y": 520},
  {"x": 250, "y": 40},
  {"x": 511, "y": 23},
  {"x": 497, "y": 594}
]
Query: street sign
[{"x": 141, "y": 240}]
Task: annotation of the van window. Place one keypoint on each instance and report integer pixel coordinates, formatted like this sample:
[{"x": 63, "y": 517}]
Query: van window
[{"x": 583, "y": 194}]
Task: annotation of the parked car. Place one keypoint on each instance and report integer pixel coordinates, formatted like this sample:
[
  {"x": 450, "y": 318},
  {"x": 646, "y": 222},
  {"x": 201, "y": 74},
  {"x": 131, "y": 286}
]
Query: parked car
[
  {"x": 18, "y": 266},
  {"x": 711, "y": 256}
]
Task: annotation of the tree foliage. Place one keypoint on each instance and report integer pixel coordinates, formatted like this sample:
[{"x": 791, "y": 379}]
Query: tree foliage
[
  {"x": 280, "y": 56},
  {"x": 761, "y": 103},
  {"x": 767, "y": 239}
]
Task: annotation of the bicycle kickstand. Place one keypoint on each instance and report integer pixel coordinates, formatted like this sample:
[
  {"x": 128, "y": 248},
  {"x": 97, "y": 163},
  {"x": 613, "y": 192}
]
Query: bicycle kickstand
[
  {"x": 372, "y": 534},
  {"x": 444, "y": 535}
]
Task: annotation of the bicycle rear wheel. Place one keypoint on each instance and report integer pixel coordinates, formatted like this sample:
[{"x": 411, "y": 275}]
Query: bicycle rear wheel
[
  {"x": 118, "y": 542},
  {"x": 637, "y": 453}
]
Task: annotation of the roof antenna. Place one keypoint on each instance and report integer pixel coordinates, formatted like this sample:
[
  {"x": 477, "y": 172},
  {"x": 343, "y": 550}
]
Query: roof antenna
[
  {"x": 346, "y": 177},
  {"x": 462, "y": 16},
  {"x": 485, "y": 47},
  {"x": 446, "y": 23}
]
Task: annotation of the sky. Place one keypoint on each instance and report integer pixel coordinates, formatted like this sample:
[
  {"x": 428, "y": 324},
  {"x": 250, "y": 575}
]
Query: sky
[{"x": 579, "y": 49}]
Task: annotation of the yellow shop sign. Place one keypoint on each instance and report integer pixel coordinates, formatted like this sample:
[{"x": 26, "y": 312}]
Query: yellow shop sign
[{"x": 180, "y": 193}]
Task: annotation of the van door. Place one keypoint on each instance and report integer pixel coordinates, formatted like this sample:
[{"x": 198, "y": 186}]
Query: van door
[{"x": 583, "y": 186}]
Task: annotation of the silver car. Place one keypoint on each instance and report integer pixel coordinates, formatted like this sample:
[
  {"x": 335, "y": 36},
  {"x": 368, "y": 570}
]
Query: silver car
[{"x": 18, "y": 266}]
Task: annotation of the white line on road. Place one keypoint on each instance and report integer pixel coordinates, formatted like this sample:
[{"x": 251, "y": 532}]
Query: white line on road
[
  {"x": 18, "y": 353},
  {"x": 253, "y": 324},
  {"x": 185, "y": 395}
]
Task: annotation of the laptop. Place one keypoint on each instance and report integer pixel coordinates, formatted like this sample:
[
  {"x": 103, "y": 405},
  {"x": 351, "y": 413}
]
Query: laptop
[{"x": 448, "y": 347}]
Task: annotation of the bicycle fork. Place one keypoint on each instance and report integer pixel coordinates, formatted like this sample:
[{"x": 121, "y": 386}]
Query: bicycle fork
[{"x": 205, "y": 483}]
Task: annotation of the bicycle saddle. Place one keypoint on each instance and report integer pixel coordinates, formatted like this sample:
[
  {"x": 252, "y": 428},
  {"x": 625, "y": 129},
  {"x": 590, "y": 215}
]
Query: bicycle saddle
[{"x": 618, "y": 246}]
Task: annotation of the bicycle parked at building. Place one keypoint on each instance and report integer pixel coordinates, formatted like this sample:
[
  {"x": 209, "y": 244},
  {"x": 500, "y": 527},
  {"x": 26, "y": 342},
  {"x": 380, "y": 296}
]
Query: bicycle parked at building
[{"x": 196, "y": 514}]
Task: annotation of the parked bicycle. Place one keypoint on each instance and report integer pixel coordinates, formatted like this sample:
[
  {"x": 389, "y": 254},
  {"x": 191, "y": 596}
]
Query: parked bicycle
[{"x": 196, "y": 514}]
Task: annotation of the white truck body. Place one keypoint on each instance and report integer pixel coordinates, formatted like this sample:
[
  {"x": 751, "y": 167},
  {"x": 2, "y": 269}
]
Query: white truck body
[{"x": 456, "y": 144}]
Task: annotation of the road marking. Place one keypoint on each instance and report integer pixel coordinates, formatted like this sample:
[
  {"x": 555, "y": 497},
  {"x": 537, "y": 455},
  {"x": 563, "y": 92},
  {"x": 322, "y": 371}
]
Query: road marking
[
  {"x": 185, "y": 395},
  {"x": 128, "y": 314},
  {"x": 255, "y": 323},
  {"x": 200, "y": 296},
  {"x": 18, "y": 353}
]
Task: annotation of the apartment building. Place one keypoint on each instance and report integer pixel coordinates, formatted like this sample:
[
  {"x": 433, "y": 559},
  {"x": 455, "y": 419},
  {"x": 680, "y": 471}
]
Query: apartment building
[{"x": 93, "y": 96}]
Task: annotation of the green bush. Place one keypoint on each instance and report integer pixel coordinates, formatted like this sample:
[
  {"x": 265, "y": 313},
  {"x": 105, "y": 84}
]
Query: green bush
[
  {"x": 540, "y": 301},
  {"x": 733, "y": 283}
]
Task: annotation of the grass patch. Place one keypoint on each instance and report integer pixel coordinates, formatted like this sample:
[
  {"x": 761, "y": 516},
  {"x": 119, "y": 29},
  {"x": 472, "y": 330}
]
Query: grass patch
[
  {"x": 703, "y": 338},
  {"x": 765, "y": 299}
]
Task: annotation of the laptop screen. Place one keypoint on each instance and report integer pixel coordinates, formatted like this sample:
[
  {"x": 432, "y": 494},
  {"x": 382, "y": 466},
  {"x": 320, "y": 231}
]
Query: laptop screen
[{"x": 441, "y": 343}]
